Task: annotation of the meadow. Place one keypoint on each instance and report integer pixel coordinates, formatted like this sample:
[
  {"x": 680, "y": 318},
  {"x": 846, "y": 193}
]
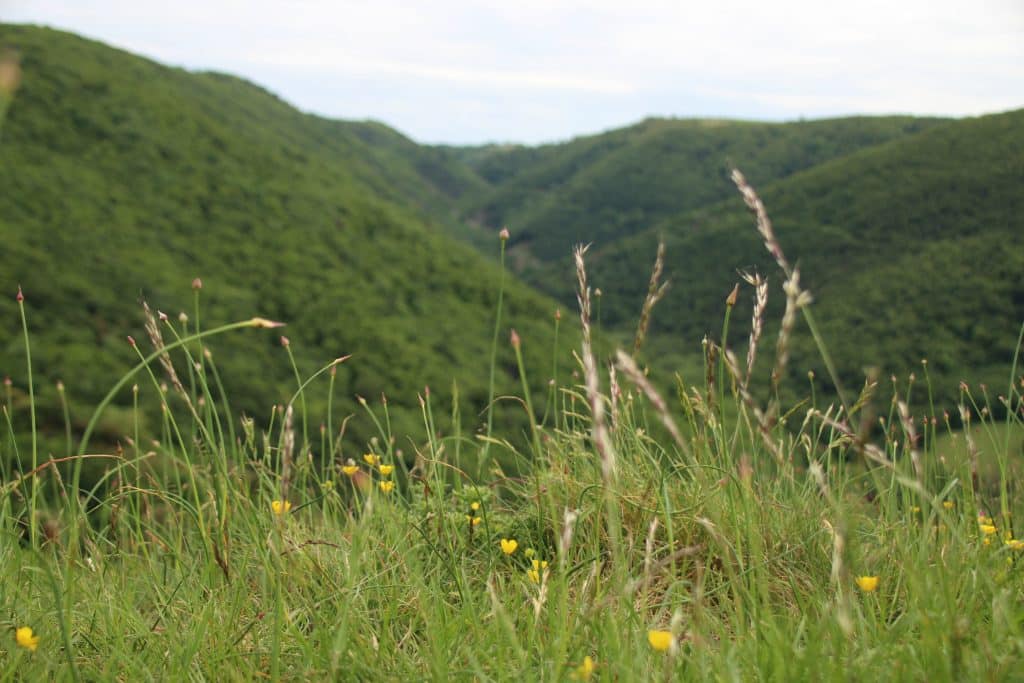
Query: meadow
[{"x": 718, "y": 532}]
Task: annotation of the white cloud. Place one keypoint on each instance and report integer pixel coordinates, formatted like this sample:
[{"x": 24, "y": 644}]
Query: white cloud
[{"x": 542, "y": 69}]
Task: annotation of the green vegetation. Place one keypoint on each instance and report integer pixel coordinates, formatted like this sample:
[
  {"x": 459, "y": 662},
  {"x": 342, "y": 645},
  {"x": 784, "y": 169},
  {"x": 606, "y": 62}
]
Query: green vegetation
[
  {"x": 914, "y": 249},
  {"x": 604, "y": 188},
  {"x": 592, "y": 530},
  {"x": 124, "y": 180},
  {"x": 743, "y": 547}
]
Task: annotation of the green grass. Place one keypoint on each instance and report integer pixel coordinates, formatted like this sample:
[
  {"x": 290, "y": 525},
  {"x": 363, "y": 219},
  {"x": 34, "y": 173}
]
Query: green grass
[{"x": 743, "y": 540}]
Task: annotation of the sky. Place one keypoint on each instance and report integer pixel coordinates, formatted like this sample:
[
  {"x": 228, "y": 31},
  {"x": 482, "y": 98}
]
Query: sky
[{"x": 531, "y": 71}]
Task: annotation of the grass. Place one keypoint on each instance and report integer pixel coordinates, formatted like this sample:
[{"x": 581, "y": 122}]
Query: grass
[{"x": 716, "y": 536}]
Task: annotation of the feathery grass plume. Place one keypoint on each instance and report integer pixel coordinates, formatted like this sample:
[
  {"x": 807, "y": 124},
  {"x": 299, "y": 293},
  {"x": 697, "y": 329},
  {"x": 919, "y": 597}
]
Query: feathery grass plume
[
  {"x": 972, "y": 447},
  {"x": 614, "y": 393},
  {"x": 795, "y": 300},
  {"x": 602, "y": 440},
  {"x": 795, "y": 297},
  {"x": 287, "y": 451},
  {"x": 764, "y": 224},
  {"x": 157, "y": 339},
  {"x": 628, "y": 366},
  {"x": 911, "y": 437},
  {"x": 760, "y": 286},
  {"x": 867, "y": 450},
  {"x": 655, "y": 290}
]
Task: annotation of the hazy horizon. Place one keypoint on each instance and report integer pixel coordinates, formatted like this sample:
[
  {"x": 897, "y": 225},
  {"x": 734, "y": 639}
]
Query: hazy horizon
[{"x": 477, "y": 73}]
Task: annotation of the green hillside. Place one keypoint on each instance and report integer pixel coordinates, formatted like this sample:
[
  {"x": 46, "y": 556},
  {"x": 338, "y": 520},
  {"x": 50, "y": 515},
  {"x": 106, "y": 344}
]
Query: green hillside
[
  {"x": 606, "y": 187},
  {"x": 124, "y": 180},
  {"x": 913, "y": 249}
]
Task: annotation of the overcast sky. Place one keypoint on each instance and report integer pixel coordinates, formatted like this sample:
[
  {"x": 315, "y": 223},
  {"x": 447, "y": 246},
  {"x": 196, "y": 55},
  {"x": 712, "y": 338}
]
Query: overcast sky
[{"x": 540, "y": 70}]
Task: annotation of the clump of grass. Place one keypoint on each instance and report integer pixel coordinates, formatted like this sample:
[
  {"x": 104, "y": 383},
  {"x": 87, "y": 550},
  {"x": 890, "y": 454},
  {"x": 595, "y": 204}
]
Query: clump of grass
[{"x": 643, "y": 539}]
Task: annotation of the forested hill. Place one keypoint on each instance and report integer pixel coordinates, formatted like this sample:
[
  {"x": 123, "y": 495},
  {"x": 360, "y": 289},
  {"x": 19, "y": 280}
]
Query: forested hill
[
  {"x": 602, "y": 188},
  {"x": 123, "y": 180},
  {"x": 913, "y": 249}
]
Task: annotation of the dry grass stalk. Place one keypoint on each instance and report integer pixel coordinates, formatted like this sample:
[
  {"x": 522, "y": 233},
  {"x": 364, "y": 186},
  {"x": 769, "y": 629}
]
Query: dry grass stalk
[
  {"x": 764, "y": 224},
  {"x": 602, "y": 440},
  {"x": 760, "y": 286},
  {"x": 628, "y": 366},
  {"x": 655, "y": 290},
  {"x": 869, "y": 451},
  {"x": 911, "y": 434},
  {"x": 287, "y": 451},
  {"x": 153, "y": 330},
  {"x": 795, "y": 300},
  {"x": 614, "y": 393}
]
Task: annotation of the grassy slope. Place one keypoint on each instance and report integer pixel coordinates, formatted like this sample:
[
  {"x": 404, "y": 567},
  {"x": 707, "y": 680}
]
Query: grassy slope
[
  {"x": 125, "y": 179},
  {"x": 912, "y": 249},
  {"x": 607, "y": 187}
]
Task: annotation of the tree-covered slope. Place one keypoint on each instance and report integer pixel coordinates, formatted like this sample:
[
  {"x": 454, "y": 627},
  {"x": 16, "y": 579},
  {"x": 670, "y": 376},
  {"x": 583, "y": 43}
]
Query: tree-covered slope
[
  {"x": 606, "y": 187},
  {"x": 913, "y": 249},
  {"x": 123, "y": 180}
]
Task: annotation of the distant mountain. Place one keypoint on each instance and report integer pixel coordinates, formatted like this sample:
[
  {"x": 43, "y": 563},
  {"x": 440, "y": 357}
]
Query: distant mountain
[
  {"x": 124, "y": 180},
  {"x": 606, "y": 187}
]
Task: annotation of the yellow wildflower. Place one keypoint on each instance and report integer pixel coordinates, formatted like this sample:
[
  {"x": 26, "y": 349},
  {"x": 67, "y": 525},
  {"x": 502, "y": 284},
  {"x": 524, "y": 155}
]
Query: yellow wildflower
[
  {"x": 386, "y": 470},
  {"x": 371, "y": 459},
  {"x": 1015, "y": 544},
  {"x": 540, "y": 564},
  {"x": 350, "y": 470},
  {"x": 472, "y": 520},
  {"x": 985, "y": 519},
  {"x": 868, "y": 584},
  {"x": 914, "y": 509},
  {"x": 987, "y": 529},
  {"x": 474, "y": 506},
  {"x": 280, "y": 506},
  {"x": 26, "y": 639},
  {"x": 509, "y": 545},
  {"x": 533, "y": 575},
  {"x": 584, "y": 671},
  {"x": 662, "y": 641},
  {"x": 948, "y": 504},
  {"x": 386, "y": 486}
]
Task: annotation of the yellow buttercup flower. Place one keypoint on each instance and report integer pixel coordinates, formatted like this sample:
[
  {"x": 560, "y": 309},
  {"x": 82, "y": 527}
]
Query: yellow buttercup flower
[
  {"x": 540, "y": 564},
  {"x": 509, "y": 545},
  {"x": 987, "y": 529},
  {"x": 868, "y": 584},
  {"x": 584, "y": 671},
  {"x": 474, "y": 506},
  {"x": 948, "y": 504},
  {"x": 280, "y": 506},
  {"x": 386, "y": 470},
  {"x": 662, "y": 641},
  {"x": 371, "y": 459},
  {"x": 1015, "y": 544},
  {"x": 26, "y": 639},
  {"x": 985, "y": 519},
  {"x": 472, "y": 520},
  {"x": 386, "y": 486},
  {"x": 350, "y": 469},
  {"x": 533, "y": 575}
]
